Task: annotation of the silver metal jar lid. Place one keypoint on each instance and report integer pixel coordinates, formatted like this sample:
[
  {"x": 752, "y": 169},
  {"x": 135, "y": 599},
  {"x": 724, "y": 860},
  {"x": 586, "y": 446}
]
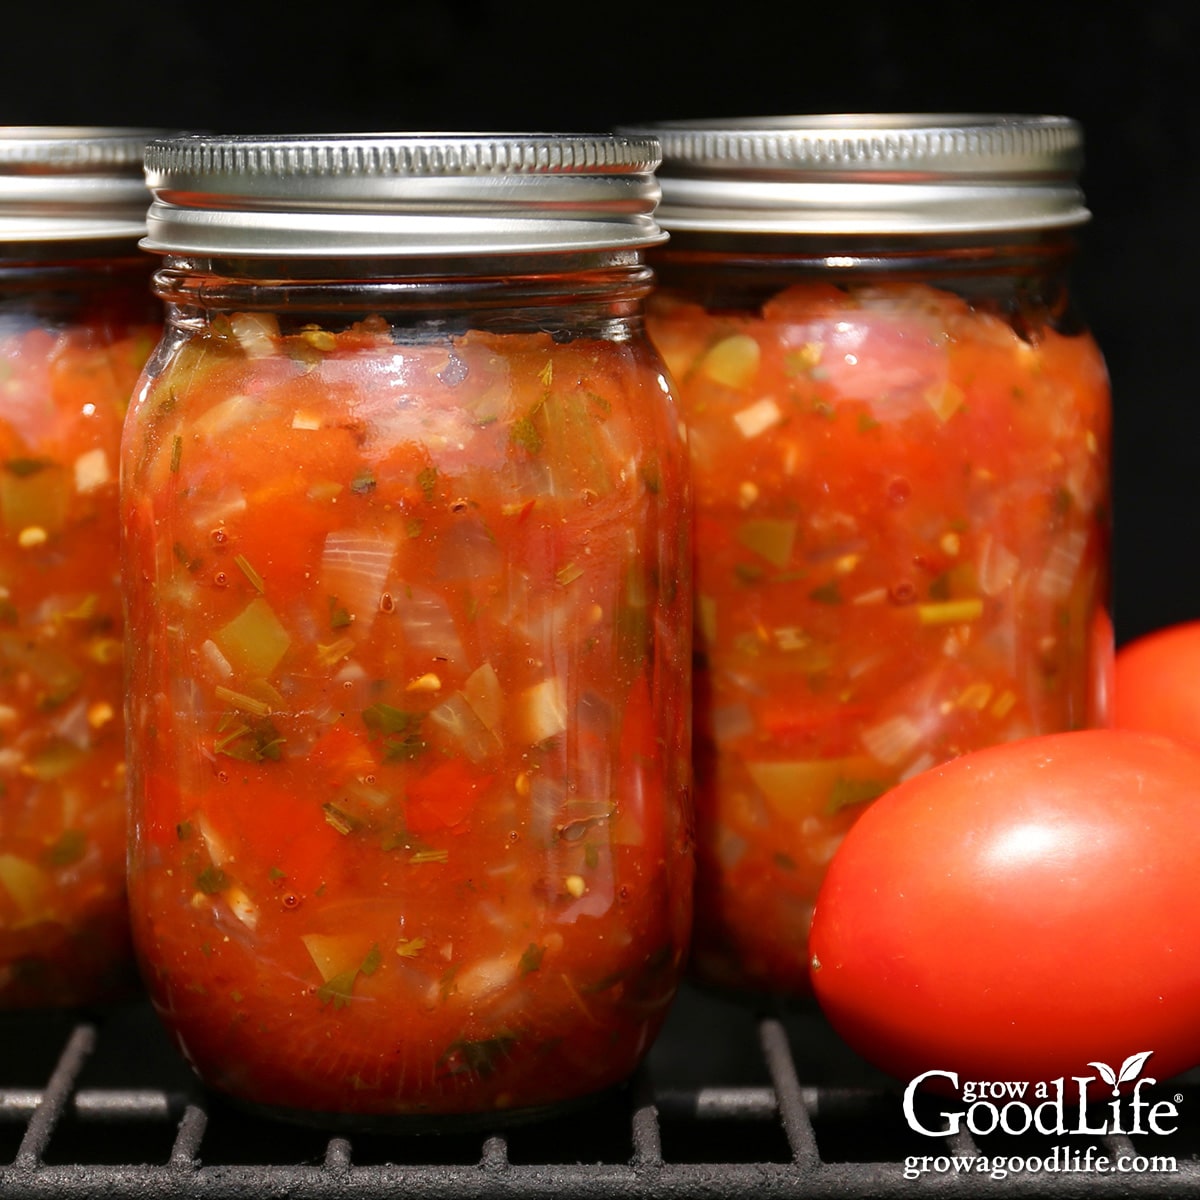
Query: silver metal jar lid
[
  {"x": 72, "y": 182},
  {"x": 877, "y": 173},
  {"x": 401, "y": 194}
]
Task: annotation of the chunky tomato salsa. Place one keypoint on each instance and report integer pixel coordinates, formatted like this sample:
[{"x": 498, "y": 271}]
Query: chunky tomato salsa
[
  {"x": 901, "y": 555},
  {"x": 409, "y": 703},
  {"x": 63, "y": 924}
]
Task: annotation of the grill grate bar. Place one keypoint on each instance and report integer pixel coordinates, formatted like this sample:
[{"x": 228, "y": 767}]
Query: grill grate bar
[
  {"x": 647, "y": 1137},
  {"x": 185, "y": 1153},
  {"x": 17, "y": 1105},
  {"x": 495, "y": 1153},
  {"x": 726, "y": 1181},
  {"x": 56, "y": 1097},
  {"x": 337, "y": 1156},
  {"x": 793, "y": 1112},
  {"x": 58, "y": 1112},
  {"x": 723, "y": 1103}
]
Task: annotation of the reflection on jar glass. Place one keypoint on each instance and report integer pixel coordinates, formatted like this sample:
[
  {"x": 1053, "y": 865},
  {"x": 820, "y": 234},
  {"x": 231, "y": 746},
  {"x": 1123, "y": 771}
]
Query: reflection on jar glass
[
  {"x": 899, "y": 436},
  {"x": 407, "y": 559},
  {"x": 77, "y": 321}
]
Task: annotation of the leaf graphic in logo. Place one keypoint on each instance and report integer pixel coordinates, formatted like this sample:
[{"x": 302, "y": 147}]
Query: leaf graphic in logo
[{"x": 1130, "y": 1069}]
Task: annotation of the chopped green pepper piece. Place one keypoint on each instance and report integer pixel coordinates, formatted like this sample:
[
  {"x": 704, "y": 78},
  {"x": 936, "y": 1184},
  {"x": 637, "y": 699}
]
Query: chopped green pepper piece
[
  {"x": 827, "y": 593},
  {"x": 848, "y": 792},
  {"x": 531, "y": 960},
  {"x": 212, "y": 880},
  {"x": 69, "y": 849}
]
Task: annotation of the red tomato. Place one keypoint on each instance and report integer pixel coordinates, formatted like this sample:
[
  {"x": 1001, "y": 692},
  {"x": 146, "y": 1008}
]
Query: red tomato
[
  {"x": 1157, "y": 683},
  {"x": 1021, "y": 912}
]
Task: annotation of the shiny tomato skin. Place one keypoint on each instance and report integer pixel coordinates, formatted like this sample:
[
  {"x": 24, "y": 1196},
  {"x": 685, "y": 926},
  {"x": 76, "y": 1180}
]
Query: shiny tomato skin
[
  {"x": 1157, "y": 683},
  {"x": 1021, "y": 912}
]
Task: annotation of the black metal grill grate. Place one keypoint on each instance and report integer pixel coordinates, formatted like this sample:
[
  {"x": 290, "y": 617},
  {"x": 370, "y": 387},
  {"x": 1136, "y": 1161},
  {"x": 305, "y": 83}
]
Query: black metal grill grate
[{"x": 732, "y": 1104}]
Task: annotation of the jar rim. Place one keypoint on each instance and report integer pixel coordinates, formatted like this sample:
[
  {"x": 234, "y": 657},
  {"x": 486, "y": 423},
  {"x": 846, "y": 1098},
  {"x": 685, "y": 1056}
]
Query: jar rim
[
  {"x": 400, "y": 194},
  {"x": 878, "y": 173}
]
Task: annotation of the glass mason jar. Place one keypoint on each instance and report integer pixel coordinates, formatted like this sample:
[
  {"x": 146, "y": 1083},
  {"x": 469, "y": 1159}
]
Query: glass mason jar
[
  {"x": 899, "y": 436},
  {"x": 77, "y": 321},
  {"x": 407, "y": 561}
]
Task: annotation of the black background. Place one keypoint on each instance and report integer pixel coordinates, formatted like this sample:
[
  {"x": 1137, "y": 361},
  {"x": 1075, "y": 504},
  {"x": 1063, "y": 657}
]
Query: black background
[{"x": 1130, "y": 72}]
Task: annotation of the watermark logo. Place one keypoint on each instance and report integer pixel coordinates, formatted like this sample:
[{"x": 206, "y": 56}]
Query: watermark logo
[{"x": 1056, "y": 1107}]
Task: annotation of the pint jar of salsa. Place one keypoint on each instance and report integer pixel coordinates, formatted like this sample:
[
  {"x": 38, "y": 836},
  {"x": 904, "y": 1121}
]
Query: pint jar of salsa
[
  {"x": 407, "y": 560},
  {"x": 899, "y": 437},
  {"x": 77, "y": 321}
]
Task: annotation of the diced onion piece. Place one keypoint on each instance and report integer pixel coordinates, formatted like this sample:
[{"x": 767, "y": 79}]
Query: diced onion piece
[
  {"x": 758, "y": 417},
  {"x": 335, "y": 954},
  {"x": 468, "y": 733},
  {"x": 228, "y": 503},
  {"x": 892, "y": 740},
  {"x": 789, "y": 638},
  {"x": 770, "y": 537},
  {"x": 950, "y": 612},
  {"x": 429, "y": 627},
  {"x": 254, "y": 641},
  {"x": 733, "y": 361},
  {"x": 486, "y": 977},
  {"x": 218, "y": 852},
  {"x": 921, "y": 763},
  {"x": 997, "y": 566},
  {"x": 303, "y": 419},
  {"x": 1057, "y": 577},
  {"x": 215, "y": 659},
  {"x": 242, "y": 906},
  {"x": 355, "y": 569},
  {"x": 255, "y": 332},
  {"x": 483, "y": 693},
  {"x": 92, "y": 470},
  {"x": 226, "y": 415},
  {"x": 945, "y": 401},
  {"x": 71, "y": 724},
  {"x": 541, "y": 711}
]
